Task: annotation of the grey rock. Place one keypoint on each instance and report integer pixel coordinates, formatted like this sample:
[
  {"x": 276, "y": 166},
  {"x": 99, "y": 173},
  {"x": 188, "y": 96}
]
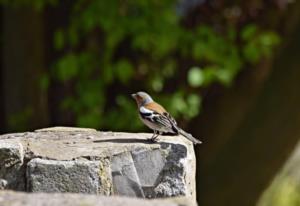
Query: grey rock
[
  {"x": 149, "y": 164},
  {"x": 125, "y": 178},
  {"x": 172, "y": 182},
  {"x": 89, "y": 161},
  {"x": 11, "y": 165},
  {"x": 63, "y": 176},
  {"x": 9, "y": 198},
  {"x": 3, "y": 184},
  {"x": 65, "y": 129}
]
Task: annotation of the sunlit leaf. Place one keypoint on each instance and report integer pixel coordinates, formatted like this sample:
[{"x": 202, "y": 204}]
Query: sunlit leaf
[{"x": 195, "y": 77}]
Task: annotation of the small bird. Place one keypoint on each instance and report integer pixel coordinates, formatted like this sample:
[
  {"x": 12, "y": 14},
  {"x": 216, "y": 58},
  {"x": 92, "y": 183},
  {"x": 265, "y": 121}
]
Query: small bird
[{"x": 157, "y": 118}]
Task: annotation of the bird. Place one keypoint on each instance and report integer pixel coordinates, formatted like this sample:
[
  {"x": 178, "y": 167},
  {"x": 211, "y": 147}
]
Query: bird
[{"x": 157, "y": 118}]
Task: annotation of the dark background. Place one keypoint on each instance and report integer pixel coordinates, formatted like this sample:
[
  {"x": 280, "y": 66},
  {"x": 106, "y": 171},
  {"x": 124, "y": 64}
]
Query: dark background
[{"x": 228, "y": 71}]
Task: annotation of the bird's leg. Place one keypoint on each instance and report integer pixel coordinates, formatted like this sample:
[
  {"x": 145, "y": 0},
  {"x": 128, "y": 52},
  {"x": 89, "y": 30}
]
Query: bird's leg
[{"x": 155, "y": 135}]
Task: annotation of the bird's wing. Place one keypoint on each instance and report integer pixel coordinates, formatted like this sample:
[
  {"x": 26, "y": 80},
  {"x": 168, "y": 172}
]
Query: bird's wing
[
  {"x": 159, "y": 116},
  {"x": 170, "y": 118}
]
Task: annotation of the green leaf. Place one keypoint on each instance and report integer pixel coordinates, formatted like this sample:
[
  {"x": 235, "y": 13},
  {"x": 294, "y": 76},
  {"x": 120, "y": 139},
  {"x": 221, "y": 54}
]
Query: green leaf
[
  {"x": 19, "y": 121},
  {"x": 178, "y": 103},
  {"x": 44, "y": 82},
  {"x": 199, "y": 49},
  {"x": 59, "y": 41},
  {"x": 124, "y": 71},
  {"x": 193, "y": 105},
  {"x": 195, "y": 77},
  {"x": 89, "y": 119},
  {"x": 67, "y": 67},
  {"x": 157, "y": 84},
  {"x": 249, "y": 32}
]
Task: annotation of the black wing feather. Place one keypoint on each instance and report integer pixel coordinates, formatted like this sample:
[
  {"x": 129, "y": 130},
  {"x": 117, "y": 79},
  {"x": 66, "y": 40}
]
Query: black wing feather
[{"x": 164, "y": 120}]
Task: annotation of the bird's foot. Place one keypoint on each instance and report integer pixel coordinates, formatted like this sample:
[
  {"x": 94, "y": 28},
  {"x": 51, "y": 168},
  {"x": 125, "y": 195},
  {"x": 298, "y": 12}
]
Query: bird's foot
[
  {"x": 154, "y": 137},
  {"x": 152, "y": 140}
]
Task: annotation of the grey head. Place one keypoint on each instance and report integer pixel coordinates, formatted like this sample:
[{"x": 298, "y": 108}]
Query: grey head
[{"x": 142, "y": 98}]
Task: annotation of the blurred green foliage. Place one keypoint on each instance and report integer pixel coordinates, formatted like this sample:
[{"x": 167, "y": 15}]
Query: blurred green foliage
[
  {"x": 19, "y": 119},
  {"x": 284, "y": 191},
  {"x": 145, "y": 45},
  {"x": 36, "y": 4}
]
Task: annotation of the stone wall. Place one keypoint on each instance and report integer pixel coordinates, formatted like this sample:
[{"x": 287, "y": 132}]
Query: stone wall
[
  {"x": 9, "y": 198},
  {"x": 105, "y": 163}
]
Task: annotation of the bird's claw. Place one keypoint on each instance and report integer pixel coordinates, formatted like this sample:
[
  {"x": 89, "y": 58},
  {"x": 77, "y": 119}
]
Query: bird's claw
[{"x": 152, "y": 139}]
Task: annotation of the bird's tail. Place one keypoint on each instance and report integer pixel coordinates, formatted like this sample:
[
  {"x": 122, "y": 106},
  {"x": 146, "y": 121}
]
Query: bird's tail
[{"x": 189, "y": 136}]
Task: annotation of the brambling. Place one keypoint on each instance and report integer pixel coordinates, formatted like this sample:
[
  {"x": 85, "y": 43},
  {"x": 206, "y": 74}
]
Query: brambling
[{"x": 157, "y": 118}]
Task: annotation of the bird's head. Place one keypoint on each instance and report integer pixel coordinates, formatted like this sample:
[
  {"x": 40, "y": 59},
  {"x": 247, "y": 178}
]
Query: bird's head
[{"x": 142, "y": 98}]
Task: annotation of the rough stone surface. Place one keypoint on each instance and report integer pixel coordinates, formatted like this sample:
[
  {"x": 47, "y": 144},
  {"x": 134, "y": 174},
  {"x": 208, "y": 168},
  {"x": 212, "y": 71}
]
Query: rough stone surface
[
  {"x": 63, "y": 176},
  {"x": 11, "y": 162},
  {"x": 74, "y": 160},
  {"x": 9, "y": 198},
  {"x": 125, "y": 178},
  {"x": 3, "y": 184}
]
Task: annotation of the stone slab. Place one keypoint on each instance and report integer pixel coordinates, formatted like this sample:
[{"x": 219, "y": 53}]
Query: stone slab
[
  {"x": 63, "y": 176},
  {"x": 11, "y": 164},
  {"x": 9, "y": 198},
  {"x": 61, "y": 159}
]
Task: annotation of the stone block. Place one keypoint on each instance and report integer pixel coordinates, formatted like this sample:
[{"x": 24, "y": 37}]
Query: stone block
[
  {"x": 89, "y": 161},
  {"x": 11, "y": 164},
  {"x": 63, "y": 176},
  {"x": 9, "y": 198}
]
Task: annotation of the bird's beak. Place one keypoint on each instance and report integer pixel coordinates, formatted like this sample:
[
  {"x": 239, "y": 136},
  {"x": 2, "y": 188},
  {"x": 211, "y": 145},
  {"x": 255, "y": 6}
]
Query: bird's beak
[{"x": 133, "y": 96}]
